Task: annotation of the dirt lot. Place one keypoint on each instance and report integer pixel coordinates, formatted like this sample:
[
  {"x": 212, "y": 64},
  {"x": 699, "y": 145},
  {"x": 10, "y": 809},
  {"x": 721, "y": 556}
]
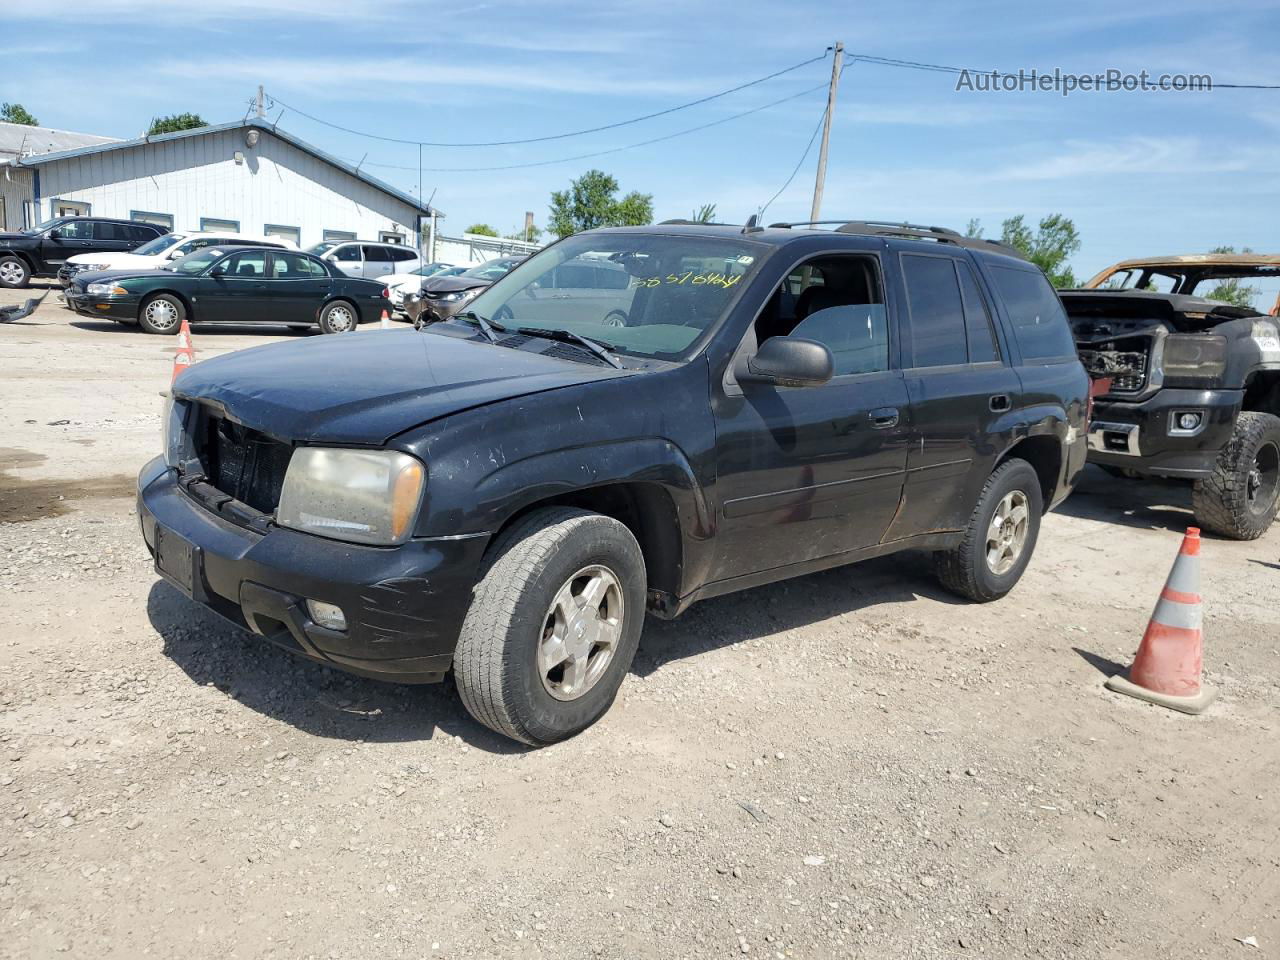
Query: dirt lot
[{"x": 850, "y": 764}]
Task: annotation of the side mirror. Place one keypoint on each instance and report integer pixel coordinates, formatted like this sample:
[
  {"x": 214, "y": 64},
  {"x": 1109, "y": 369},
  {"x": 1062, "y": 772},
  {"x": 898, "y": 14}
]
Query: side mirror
[
  {"x": 55, "y": 233},
  {"x": 218, "y": 270},
  {"x": 790, "y": 362}
]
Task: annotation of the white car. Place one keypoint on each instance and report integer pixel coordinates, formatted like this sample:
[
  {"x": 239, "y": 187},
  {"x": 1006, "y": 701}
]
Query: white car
[
  {"x": 156, "y": 253},
  {"x": 401, "y": 283}
]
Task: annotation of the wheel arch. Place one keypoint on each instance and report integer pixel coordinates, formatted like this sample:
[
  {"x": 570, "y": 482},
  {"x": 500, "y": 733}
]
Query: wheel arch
[
  {"x": 1262, "y": 392},
  {"x": 1044, "y": 453},
  {"x": 181, "y": 298},
  {"x": 22, "y": 255},
  {"x": 344, "y": 298}
]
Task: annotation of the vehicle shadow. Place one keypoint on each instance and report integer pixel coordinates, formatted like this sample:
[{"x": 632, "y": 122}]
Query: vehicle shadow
[
  {"x": 328, "y": 703},
  {"x": 203, "y": 329},
  {"x": 1147, "y": 503}
]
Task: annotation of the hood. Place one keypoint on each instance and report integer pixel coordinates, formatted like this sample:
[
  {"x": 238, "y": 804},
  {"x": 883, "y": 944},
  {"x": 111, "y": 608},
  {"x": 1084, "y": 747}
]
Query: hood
[
  {"x": 1121, "y": 311},
  {"x": 83, "y": 280},
  {"x": 8, "y": 236},
  {"x": 118, "y": 261},
  {"x": 364, "y": 388},
  {"x": 452, "y": 284}
]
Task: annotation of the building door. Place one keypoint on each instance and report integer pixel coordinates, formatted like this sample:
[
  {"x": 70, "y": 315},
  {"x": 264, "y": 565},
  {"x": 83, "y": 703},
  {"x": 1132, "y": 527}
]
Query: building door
[{"x": 70, "y": 208}]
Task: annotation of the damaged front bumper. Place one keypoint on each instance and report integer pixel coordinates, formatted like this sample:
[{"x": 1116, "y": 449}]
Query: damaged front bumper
[
  {"x": 404, "y": 605},
  {"x": 1149, "y": 437}
]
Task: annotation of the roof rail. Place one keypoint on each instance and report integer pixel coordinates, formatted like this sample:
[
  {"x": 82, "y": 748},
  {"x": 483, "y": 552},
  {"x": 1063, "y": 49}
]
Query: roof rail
[{"x": 910, "y": 231}]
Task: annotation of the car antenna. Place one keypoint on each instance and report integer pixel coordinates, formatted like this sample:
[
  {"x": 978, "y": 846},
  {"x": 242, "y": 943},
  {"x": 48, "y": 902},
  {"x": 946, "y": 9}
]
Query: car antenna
[{"x": 753, "y": 224}]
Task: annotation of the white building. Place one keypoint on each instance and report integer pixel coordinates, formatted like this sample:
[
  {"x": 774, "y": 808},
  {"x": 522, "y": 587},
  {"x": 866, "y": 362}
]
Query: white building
[{"x": 249, "y": 177}]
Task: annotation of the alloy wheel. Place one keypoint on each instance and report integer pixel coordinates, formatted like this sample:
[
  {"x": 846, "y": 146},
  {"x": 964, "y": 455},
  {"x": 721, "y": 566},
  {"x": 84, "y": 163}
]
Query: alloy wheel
[
  {"x": 10, "y": 272},
  {"x": 161, "y": 314},
  {"x": 1007, "y": 533},
  {"x": 581, "y": 632}
]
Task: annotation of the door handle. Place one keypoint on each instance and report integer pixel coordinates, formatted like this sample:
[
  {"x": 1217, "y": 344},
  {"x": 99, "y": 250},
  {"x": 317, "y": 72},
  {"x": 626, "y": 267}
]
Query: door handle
[
  {"x": 999, "y": 402},
  {"x": 882, "y": 418}
]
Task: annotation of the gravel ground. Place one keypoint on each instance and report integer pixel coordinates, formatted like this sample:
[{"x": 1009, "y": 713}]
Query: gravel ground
[{"x": 851, "y": 764}]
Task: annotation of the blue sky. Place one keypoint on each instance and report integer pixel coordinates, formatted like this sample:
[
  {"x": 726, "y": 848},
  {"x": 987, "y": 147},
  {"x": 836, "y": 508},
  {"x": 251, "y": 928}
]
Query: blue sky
[{"x": 1140, "y": 173}]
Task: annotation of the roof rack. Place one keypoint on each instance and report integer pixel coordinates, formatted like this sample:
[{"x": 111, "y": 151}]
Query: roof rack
[{"x": 910, "y": 231}]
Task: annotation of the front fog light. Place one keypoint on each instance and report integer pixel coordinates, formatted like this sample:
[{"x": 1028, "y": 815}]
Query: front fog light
[
  {"x": 327, "y": 615},
  {"x": 1188, "y": 421}
]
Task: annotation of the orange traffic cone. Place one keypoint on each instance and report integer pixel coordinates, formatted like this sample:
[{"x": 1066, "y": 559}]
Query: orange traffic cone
[
  {"x": 386, "y": 321},
  {"x": 186, "y": 353},
  {"x": 1167, "y": 667}
]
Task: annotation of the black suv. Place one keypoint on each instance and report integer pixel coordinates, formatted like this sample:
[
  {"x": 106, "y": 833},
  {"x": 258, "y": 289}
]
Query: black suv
[
  {"x": 42, "y": 250},
  {"x": 1189, "y": 385},
  {"x": 506, "y": 493}
]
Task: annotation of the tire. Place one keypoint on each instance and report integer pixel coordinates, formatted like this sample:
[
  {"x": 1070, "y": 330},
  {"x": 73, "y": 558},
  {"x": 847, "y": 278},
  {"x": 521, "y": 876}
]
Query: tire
[
  {"x": 161, "y": 314},
  {"x": 498, "y": 666},
  {"x": 615, "y": 318},
  {"x": 340, "y": 316},
  {"x": 1239, "y": 499},
  {"x": 969, "y": 570},
  {"x": 14, "y": 273}
]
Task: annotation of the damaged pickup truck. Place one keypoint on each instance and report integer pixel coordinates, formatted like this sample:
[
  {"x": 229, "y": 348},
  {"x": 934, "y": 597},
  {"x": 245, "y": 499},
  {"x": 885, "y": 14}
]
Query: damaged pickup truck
[{"x": 1187, "y": 387}]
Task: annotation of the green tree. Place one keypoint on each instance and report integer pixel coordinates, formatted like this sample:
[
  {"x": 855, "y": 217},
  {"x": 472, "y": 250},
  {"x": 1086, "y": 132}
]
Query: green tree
[
  {"x": 1234, "y": 291},
  {"x": 1048, "y": 247},
  {"x": 176, "y": 122},
  {"x": 482, "y": 230},
  {"x": 705, "y": 214},
  {"x": 974, "y": 228},
  {"x": 590, "y": 202},
  {"x": 17, "y": 113}
]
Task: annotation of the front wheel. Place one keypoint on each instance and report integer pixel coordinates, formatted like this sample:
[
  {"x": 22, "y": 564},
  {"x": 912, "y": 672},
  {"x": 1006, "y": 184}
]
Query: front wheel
[
  {"x": 1240, "y": 498},
  {"x": 1000, "y": 537},
  {"x": 553, "y": 626},
  {"x": 338, "y": 317},
  {"x": 161, "y": 314}
]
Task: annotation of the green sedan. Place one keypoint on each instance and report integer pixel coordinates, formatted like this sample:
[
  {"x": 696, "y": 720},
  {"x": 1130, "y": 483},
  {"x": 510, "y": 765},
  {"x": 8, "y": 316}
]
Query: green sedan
[{"x": 228, "y": 284}]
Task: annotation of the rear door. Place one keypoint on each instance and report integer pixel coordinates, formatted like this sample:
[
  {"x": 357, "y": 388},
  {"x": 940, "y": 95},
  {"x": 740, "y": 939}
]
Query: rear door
[
  {"x": 298, "y": 287},
  {"x": 377, "y": 261},
  {"x": 962, "y": 389}
]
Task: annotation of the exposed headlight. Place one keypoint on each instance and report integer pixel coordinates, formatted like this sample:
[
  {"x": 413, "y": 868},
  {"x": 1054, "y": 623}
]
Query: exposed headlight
[
  {"x": 171, "y": 424},
  {"x": 459, "y": 295},
  {"x": 105, "y": 289},
  {"x": 362, "y": 496},
  {"x": 1202, "y": 358}
]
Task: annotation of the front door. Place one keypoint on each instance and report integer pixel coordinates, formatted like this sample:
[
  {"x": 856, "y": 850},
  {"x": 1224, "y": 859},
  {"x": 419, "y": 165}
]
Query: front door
[
  {"x": 347, "y": 258},
  {"x": 812, "y": 472},
  {"x": 66, "y": 240},
  {"x": 960, "y": 389},
  {"x": 238, "y": 293}
]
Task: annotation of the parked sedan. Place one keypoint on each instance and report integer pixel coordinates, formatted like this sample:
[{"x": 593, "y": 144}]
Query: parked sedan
[
  {"x": 442, "y": 297},
  {"x": 155, "y": 254},
  {"x": 232, "y": 285}
]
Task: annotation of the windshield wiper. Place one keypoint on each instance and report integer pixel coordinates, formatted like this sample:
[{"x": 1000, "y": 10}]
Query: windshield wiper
[
  {"x": 487, "y": 327},
  {"x": 601, "y": 349}
]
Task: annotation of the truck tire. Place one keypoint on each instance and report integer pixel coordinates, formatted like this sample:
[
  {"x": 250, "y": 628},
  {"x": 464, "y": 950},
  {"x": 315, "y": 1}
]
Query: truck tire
[
  {"x": 14, "y": 272},
  {"x": 553, "y": 626},
  {"x": 1239, "y": 499},
  {"x": 1000, "y": 537}
]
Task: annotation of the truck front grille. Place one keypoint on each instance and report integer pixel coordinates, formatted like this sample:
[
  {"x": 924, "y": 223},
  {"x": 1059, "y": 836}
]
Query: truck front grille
[{"x": 242, "y": 463}]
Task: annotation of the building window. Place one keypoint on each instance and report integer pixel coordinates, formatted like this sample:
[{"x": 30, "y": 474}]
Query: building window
[
  {"x": 159, "y": 219},
  {"x": 69, "y": 208},
  {"x": 292, "y": 234},
  {"x": 389, "y": 236},
  {"x": 337, "y": 236},
  {"x": 213, "y": 223}
]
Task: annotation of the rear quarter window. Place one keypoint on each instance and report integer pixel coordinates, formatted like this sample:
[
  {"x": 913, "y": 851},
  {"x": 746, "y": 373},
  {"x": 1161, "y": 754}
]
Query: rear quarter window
[{"x": 1039, "y": 322}]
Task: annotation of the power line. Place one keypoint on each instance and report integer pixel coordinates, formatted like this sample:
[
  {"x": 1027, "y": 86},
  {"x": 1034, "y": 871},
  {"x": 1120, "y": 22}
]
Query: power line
[
  {"x": 602, "y": 153},
  {"x": 943, "y": 68},
  {"x": 554, "y": 136},
  {"x": 803, "y": 157}
]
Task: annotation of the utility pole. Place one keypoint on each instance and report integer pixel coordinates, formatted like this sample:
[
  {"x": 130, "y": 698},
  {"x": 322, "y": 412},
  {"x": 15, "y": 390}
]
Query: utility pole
[
  {"x": 262, "y": 112},
  {"x": 837, "y": 62}
]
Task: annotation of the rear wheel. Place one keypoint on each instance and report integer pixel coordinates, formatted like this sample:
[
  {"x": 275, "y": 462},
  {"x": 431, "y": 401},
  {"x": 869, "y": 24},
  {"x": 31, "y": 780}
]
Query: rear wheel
[
  {"x": 161, "y": 314},
  {"x": 553, "y": 626},
  {"x": 1240, "y": 499},
  {"x": 14, "y": 272},
  {"x": 1000, "y": 537},
  {"x": 338, "y": 317}
]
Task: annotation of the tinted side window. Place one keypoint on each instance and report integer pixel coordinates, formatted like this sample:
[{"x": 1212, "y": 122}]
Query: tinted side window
[
  {"x": 977, "y": 321},
  {"x": 347, "y": 254},
  {"x": 575, "y": 275},
  {"x": 252, "y": 264},
  {"x": 612, "y": 278},
  {"x": 402, "y": 256},
  {"x": 76, "y": 230},
  {"x": 937, "y": 312},
  {"x": 143, "y": 234},
  {"x": 1039, "y": 322}
]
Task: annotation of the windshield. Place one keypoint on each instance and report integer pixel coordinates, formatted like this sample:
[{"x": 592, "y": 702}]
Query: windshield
[
  {"x": 649, "y": 295},
  {"x": 321, "y": 248},
  {"x": 194, "y": 263},
  {"x": 158, "y": 245},
  {"x": 489, "y": 270},
  {"x": 41, "y": 227}
]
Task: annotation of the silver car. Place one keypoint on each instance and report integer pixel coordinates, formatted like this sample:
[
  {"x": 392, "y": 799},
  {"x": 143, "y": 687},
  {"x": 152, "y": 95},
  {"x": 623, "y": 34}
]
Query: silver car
[{"x": 362, "y": 258}]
